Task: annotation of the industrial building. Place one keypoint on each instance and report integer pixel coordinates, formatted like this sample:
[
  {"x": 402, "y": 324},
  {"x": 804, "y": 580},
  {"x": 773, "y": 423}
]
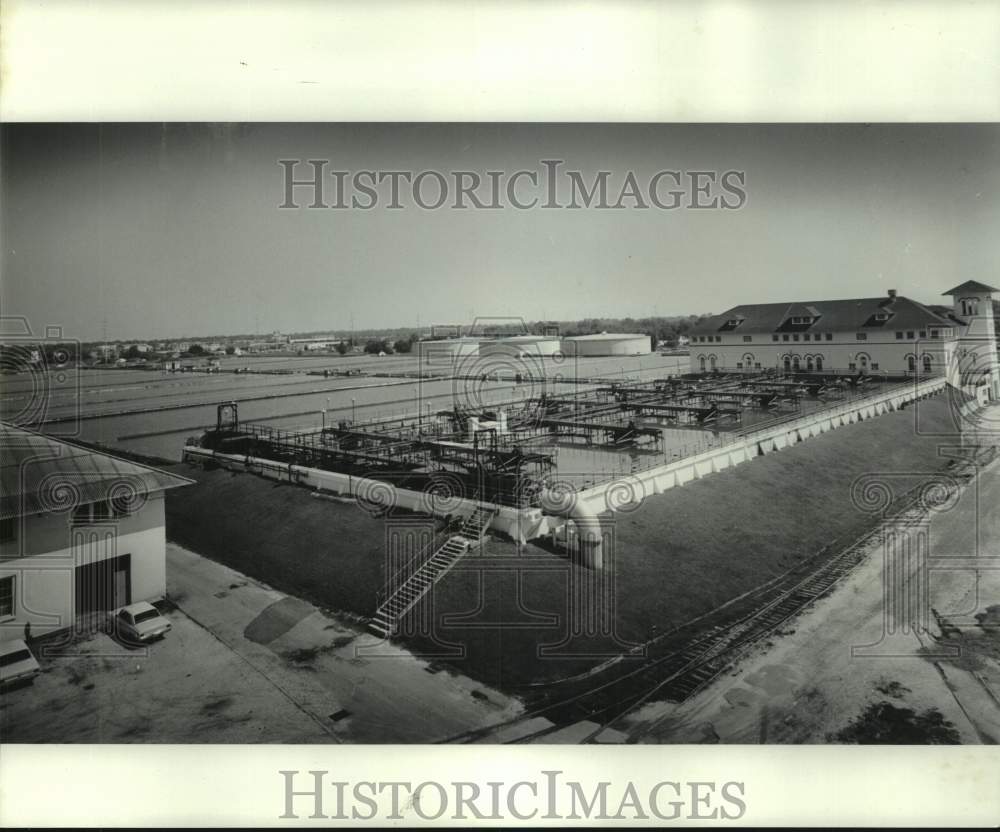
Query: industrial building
[
  {"x": 891, "y": 334},
  {"x": 606, "y": 344},
  {"x": 80, "y": 532}
]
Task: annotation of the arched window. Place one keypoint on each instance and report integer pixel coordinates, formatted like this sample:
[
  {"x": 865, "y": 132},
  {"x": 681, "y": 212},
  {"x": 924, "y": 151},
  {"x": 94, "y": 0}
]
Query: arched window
[
  {"x": 819, "y": 362},
  {"x": 795, "y": 363},
  {"x": 711, "y": 361},
  {"x": 747, "y": 362},
  {"x": 701, "y": 361},
  {"x": 970, "y": 307},
  {"x": 927, "y": 363},
  {"x": 788, "y": 363},
  {"x": 809, "y": 363},
  {"x": 911, "y": 363}
]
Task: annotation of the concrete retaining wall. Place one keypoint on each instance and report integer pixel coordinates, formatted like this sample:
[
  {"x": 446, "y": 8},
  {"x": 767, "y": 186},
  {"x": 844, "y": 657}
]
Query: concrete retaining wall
[{"x": 633, "y": 488}]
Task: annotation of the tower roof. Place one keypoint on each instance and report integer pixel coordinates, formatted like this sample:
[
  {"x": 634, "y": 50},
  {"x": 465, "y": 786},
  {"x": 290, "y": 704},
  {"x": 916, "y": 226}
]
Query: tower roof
[{"x": 971, "y": 286}]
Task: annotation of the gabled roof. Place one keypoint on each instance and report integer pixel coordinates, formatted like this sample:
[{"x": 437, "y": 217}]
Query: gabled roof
[
  {"x": 971, "y": 286},
  {"x": 39, "y": 474},
  {"x": 947, "y": 312},
  {"x": 853, "y": 314}
]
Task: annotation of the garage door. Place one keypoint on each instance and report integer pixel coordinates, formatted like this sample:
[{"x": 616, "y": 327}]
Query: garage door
[{"x": 104, "y": 585}]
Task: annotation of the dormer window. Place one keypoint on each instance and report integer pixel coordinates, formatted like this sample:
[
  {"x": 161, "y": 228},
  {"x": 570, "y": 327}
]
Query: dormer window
[
  {"x": 881, "y": 316},
  {"x": 802, "y": 319}
]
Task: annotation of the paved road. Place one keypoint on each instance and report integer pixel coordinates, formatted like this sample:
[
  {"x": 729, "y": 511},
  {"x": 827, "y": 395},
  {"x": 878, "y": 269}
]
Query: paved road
[{"x": 327, "y": 667}]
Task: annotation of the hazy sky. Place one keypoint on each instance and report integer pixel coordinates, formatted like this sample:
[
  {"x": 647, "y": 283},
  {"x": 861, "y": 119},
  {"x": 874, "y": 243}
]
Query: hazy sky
[{"x": 147, "y": 231}]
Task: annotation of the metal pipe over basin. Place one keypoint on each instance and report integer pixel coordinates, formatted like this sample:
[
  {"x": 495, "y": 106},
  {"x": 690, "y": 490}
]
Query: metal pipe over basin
[{"x": 562, "y": 500}]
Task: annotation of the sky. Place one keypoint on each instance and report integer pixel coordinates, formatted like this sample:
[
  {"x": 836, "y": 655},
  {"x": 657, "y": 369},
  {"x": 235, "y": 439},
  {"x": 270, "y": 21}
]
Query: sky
[{"x": 145, "y": 231}]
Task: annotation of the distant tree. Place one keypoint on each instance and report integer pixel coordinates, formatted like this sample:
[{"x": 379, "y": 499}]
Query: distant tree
[
  {"x": 375, "y": 346},
  {"x": 403, "y": 345},
  {"x": 230, "y": 350},
  {"x": 342, "y": 348},
  {"x": 196, "y": 349},
  {"x": 132, "y": 352}
]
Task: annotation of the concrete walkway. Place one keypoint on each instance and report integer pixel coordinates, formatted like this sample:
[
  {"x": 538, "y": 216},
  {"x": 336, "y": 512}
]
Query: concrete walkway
[{"x": 356, "y": 687}]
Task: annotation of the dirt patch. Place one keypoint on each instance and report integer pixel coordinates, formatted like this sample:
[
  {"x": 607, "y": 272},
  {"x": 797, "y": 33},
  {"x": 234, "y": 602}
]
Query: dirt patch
[
  {"x": 974, "y": 646},
  {"x": 795, "y": 722},
  {"x": 892, "y": 688},
  {"x": 139, "y": 730},
  {"x": 883, "y": 723},
  {"x": 302, "y": 655},
  {"x": 307, "y": 655},
  {"x": 217, "y": 705},
  {"x": 990, "y": 620}
]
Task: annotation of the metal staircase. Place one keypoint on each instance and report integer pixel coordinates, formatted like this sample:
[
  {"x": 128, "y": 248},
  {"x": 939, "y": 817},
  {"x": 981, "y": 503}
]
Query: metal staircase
[
  {"x": 471, "y": 534},
  {"x": 475, "y": 526}
]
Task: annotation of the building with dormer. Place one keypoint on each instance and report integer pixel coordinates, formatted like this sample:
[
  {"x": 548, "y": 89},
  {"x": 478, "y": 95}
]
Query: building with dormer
[{"x": 891, "y": 335}]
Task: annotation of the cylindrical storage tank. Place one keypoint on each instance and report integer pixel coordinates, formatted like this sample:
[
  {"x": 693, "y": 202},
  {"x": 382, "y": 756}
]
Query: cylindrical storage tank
[
  {"x": 521, "y": 346},
  {"x": 446, "y": 352},
  {"x": 607, "y": 343}
]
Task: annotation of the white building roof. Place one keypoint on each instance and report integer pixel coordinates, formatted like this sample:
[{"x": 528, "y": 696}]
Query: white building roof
[{"x": 40, "y": 474}]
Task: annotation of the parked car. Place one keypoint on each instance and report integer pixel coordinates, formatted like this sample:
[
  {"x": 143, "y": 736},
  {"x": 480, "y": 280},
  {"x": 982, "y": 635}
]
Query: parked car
[
  {"x": 17, "y": 663},
  {"x": 139, "y": 622}
]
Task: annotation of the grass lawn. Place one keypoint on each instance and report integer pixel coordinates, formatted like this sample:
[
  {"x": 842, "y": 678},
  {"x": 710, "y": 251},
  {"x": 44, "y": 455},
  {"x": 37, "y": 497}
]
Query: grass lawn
[
  {"x": 677, "y": 556},
  {"x": 327, "y": 552}
]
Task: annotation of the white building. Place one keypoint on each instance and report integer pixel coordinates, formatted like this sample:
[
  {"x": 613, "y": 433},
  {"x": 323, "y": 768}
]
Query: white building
[
  {"x": 325, "y": 342},
  {"x": 80, "y": 532},
  {"x": 891, "y": 334},
  {"x": 606, "y": 343},
  {"x": 976, "y": 363}
]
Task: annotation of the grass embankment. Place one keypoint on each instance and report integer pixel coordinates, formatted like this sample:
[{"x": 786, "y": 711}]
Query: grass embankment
[
  {"x": 330, "y": 553},
  {"x": 679, "y": 555}
]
